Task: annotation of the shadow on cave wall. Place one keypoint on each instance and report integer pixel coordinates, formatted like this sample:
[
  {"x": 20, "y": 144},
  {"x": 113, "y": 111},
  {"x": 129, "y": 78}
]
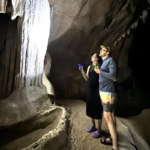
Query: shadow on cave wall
[
  {"x": 9, "y": 57},
  {"x": 82, "y": 39},
  {"x": 134, "y": 92},
  {"x": 65, "y": 76},
  {"x": 76, "y": 46}
]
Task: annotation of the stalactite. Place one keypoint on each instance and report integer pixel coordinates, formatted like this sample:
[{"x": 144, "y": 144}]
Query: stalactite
[
  {"x": 144, "y": 15},
  {"x": 124, "y": 35},
  {"x": 115, "y": 43},
  {"x": 133, "y": 26},
  {"x": 128, "y": 31},
  {"x": 119, "y": 39},
  {"x": 3, "y": 4}
]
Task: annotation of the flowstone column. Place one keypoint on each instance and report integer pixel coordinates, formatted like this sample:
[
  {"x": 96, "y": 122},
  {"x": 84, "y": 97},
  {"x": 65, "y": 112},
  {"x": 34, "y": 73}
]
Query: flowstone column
[{"x": 30, "y": 96}]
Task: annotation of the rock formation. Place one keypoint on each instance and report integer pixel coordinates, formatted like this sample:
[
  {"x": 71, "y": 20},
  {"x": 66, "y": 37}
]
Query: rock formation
[
  {"x": 23, "y": 48},
  {"x": 79, "y": 28},
  {"x": 25, "y": 108},
  {"x": 31, "y": 53}
]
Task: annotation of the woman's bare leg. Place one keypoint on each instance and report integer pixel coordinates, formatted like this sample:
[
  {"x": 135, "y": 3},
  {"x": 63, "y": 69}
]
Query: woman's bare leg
[
  {"x": 93, "y": 122},
  {"x": 99, "y": 124}
]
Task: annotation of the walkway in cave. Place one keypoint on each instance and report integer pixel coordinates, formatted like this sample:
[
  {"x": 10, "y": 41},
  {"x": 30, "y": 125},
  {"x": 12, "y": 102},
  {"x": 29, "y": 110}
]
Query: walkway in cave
[{"x": 130, "y": 130}]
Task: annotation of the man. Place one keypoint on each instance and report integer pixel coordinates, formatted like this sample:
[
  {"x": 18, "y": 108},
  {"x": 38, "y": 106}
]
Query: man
[{"x": 107, "y": 76}]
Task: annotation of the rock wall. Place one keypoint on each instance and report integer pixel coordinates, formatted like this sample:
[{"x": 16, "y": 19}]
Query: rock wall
[
  {"x": 3, "y": 4},
  {"x": 79, "y": 28},
  {"x": 25, "y": 40},
  {"x": 8, "y": 55}
]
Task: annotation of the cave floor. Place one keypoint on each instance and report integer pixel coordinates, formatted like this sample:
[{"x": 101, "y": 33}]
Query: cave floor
[{"x": 133, "y": 132}]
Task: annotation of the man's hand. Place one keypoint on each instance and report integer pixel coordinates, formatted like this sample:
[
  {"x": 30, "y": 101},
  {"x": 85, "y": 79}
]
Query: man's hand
[
  {"x": 116, "y": 80},
  {"x": 97, "y": 70}
]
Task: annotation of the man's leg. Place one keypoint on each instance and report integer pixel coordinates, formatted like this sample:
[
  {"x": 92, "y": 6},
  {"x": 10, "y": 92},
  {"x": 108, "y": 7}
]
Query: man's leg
[
  {"x": 111, "y": 125},
  {"x": 114, "y": 118}
]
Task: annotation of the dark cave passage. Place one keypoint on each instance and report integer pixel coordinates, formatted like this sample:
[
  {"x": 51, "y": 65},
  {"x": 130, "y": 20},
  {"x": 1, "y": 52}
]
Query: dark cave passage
[{"x": 139, "y": 56}]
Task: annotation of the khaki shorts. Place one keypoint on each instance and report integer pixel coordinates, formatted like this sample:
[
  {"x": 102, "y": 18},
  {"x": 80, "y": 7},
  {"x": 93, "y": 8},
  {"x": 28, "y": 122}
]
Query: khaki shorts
[{"x": 108, "y": 101}]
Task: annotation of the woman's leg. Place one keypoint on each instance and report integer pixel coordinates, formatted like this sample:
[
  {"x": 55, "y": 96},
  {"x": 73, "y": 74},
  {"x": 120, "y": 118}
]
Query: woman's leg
[
  {"x": 99, "y": 124},
  {"x": 97, "y": 133},
  {"x": 93, "y": 122},
  {"x": 91, "y": 128}
]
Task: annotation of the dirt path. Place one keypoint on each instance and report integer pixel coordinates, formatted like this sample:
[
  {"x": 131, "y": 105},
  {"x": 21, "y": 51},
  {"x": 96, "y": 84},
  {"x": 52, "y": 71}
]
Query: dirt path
[{"x": 82, "y": 140}]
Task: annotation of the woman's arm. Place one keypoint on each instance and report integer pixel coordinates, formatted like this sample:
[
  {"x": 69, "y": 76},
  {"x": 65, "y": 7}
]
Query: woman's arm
[{"x": 85, "y": 76}]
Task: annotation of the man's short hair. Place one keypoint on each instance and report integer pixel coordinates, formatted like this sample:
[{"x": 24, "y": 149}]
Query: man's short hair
[{"x": 106, "y": 47}]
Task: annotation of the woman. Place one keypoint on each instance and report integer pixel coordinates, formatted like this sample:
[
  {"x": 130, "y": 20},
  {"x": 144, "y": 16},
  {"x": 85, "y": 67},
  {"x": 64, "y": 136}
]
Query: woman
[{"x": 93, "y": 102}]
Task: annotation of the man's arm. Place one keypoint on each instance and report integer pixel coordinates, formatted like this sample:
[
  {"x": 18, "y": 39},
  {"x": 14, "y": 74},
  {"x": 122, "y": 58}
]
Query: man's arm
[{"x": 112, "y": 74}]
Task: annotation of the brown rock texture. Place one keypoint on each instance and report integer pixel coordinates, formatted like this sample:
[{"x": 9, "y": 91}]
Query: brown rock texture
[
  {"x": 3, "y": 4},
  {"x": 23, "y": 47},
  {"x": 78, "y": 29}
]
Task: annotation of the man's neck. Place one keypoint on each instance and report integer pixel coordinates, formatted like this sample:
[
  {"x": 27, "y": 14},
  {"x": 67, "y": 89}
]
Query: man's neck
[{"x": 104, "y": 57}]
